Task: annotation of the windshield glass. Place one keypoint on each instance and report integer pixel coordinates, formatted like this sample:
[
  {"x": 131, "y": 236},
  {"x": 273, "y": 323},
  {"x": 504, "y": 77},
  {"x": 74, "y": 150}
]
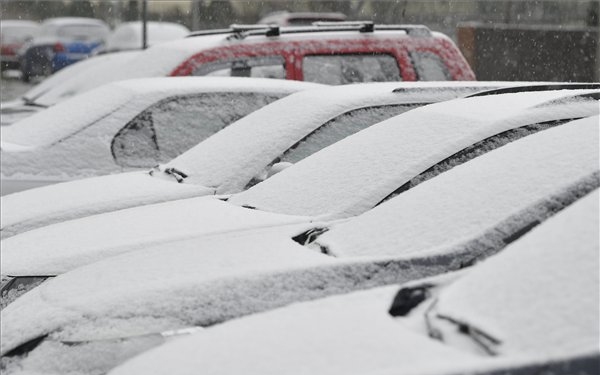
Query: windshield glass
[{"x": 353, "y": 175}]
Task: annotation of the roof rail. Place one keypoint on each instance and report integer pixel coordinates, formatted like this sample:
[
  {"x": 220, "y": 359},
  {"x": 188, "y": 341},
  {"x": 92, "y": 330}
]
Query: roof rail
[
  {"x": 238, "y": 31},
  {"x": 540, "y": 87},
  {"x": 363, "y": 26}
]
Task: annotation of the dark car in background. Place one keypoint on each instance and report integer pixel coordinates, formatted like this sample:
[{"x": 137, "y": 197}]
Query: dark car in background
[
  {"x": 13, "y": 35},
  {"x": 61, "y": 42}
]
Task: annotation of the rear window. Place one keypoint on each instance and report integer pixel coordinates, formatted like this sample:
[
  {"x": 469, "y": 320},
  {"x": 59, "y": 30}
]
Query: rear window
[
  {"x": 256, "y": 67},
  {"x": 350, "y": 68},
  {"x": 172, "y": 126},
  {"x": 429, "y": 66}
]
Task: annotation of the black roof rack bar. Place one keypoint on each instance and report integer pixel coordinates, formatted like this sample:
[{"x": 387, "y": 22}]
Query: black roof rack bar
[
  {"x": 274, "y": 30},
  {"x": 363, "y": 26},
  {"x": 540, "y": 87}
]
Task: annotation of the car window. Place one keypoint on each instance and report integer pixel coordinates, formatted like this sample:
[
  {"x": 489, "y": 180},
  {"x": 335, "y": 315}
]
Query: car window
[
  {"x": 258, "y": 67},
  {"x": 334, "y": 130},
  {"x": 350, "y": 68},
  {"x": 429, "y": 66},
  {"x": 340, "y": 127},
  {"x": 174, "y": 125},
  {"x": 472, "y": 152}
]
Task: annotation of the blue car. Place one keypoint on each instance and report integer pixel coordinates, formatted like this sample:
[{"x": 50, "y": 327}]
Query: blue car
[{"x": 61, "y": 42}]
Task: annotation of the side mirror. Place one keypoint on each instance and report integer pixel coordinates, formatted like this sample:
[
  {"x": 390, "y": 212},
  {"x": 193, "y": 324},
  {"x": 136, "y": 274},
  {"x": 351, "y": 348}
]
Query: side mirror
[{"x": 278, "y": 167}]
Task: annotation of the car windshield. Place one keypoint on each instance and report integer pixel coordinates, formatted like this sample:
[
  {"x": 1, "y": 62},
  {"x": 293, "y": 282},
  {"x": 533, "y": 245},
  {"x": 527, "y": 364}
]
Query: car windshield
[{"x": 353, "y": 175}]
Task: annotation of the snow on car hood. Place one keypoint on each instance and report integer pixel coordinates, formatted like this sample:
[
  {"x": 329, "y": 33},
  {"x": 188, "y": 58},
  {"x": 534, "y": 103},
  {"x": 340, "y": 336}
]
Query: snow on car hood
[
  {"x": 351, "y": 176},
  {"x": 350, "y": 334},
  {"x": 74, "y": 243},
  {"x": 538, "y": 296},
  {"x": 60, "y": 202},
  {"x": 463, "y": 202}
]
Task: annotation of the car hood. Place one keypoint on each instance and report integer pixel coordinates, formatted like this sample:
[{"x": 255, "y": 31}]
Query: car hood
[
  {"x": 96, "y": 237},
  {"x": 35, "y": 208}
]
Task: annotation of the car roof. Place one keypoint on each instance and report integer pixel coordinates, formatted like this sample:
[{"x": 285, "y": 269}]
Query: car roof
[
  {"x": 257, "y": 139},
  {"x": 69, "y": 81},
  {"x": 353, "y": 175},
  {"x": 69, "y": 116},
  {"x": 62, "y": 21},
  {"x": 536, "y": 275}
]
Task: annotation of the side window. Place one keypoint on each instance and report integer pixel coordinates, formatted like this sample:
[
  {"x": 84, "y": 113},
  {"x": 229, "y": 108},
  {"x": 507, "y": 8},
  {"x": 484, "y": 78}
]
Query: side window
[
  {"x": 340, "y": 127},
  {"x": 259, "y": 67},
  {"x": 350, "y": 68},
  {"x": 429, "y": 66},
  {"x": 172, "y": 126}
]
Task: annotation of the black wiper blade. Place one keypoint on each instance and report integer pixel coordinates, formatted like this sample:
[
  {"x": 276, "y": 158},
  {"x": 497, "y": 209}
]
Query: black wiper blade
[{"x": 483, "y": 339}]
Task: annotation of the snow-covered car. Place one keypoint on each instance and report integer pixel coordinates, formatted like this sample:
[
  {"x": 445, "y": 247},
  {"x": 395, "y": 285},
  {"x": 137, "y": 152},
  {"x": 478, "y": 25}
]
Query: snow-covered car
[
  {"x": 128, "y": 125},
  {"x": 287, "y": 130},
  {"x": 13, "y": 35},
  {"x": 128, "y": 35},
  {"x": 285, "y": 18},
  {"x": 345, "y": 179},
  {"x": 531, "y": 309},
  {"x": 61, "y": 85},
  {"x": 61, "y": 42},
  {"x": 101, "y": 314},
  {"x": 350, "y": 53}
]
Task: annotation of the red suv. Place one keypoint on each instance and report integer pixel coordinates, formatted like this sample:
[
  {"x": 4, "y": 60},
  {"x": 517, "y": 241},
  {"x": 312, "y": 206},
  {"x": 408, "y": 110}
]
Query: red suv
[{"x": 329, "y": 52}]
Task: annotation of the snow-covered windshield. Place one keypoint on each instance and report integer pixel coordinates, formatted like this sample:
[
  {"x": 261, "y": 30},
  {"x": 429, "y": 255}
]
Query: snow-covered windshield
[
  {"x": 549, "y": 277},
  {"x": 353, "y": 175}
]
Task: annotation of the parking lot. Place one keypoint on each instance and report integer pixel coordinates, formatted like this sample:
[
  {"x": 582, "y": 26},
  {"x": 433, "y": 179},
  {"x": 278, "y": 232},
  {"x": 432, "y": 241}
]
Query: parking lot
[{"x": 323, "y": 187}]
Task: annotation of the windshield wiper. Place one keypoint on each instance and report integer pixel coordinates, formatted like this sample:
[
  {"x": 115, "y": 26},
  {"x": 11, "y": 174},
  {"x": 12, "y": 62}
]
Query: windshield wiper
[
  {"x": 483, "y": 339},
  {"x": 176, "y": 173}
]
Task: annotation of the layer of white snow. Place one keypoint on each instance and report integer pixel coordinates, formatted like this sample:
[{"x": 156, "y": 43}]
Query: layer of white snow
[
  {"x": 468, "y": 199},
  {"x": 351, "y": 176},
  {"x": 60, "y": 247},
  {"x": 128, "y": 35},
  {"x": 545, "y": 288}
]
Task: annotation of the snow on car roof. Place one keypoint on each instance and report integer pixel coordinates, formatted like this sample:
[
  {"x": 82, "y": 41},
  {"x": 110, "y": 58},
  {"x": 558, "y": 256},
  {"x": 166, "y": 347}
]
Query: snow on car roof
[
  {"x": 555, "y": 271},
  {"x": 463, "y": 202},
  {"x": 128, "y": 98},
  {"x": 59, "y": 21},
  {"x": 543, "y": 289},
  {"x": 128, "y": 35},
  {"x": 66, "y": 81},
  {"x": 281, "y": 124},
  {"x": 351, "y": 176}
]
